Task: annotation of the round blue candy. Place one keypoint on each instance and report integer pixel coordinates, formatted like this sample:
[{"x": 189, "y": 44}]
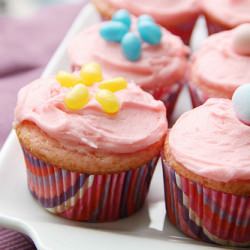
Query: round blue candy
[
  {"x": 241, "y": 103},
  {"x": 150, "y": 32},
  {"x": 113, "y": 31},
  {"x": 145, "y": 18},
  {"x": 131, "y": 46},
  {"x": 122, "y": 16}
]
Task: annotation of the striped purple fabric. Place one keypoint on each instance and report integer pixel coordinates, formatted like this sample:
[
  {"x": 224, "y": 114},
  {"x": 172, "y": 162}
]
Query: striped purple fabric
[
  {"x": 10, "y": 240},
  {"x": 19, "y": 67}
]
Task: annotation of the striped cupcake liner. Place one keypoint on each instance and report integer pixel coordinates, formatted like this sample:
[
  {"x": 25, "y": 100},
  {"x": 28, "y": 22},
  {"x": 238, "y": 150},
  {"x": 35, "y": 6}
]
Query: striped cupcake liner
[
  {"x": 169, "y": 97},
  {"x": 85, "y": 197},
  {"x": 184, "y": 30},
  {"x": 197, "y": 96},
  {"x": 213, "y": 26},
  {"x": 206, "y": 214}
]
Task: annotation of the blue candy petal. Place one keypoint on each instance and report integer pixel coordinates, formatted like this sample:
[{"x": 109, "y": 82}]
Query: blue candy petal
[
  {"x": 122, "y": 16},
  {"x": 131, "y": 46},
  {"x": 150, "y": 32},
  {"x": 113, "y": 31},
  {"x": 145, "y": 18}
]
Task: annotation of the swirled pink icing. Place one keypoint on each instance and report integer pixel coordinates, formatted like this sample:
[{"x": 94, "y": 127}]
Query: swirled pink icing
[
  {"x": 140, "y": 122},
  {"x": 211, "y": 142},
  {"x": 163, "y": 11},
  {"x": 159, "y": 66},
  {"x": 217, "y": 65},
  {"x": 230, "y": 12}
]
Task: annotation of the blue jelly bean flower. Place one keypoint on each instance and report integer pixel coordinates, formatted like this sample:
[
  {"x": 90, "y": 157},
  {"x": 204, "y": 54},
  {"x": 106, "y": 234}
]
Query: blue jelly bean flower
[
  {"x": 113, "y": 31},
  {"x": 150, "y": 32},
  {"x": 122, "y": 16},
  {"x": 131, "y": 46}
]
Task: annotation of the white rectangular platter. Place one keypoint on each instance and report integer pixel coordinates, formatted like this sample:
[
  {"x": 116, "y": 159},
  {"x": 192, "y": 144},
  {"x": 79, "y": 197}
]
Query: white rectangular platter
[{"x": 148, "y": 229}]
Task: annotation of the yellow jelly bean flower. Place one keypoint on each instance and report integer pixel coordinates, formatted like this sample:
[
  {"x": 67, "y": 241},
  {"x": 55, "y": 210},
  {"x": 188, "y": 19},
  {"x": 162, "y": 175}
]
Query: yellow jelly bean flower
[
  {"x": 108, "y": 101},
  {"x": 67, "y": 80},
  {"x": 77, "y": 97},
  {"x": 114, "y": 84},
  {"x": 91, "y": 73}
]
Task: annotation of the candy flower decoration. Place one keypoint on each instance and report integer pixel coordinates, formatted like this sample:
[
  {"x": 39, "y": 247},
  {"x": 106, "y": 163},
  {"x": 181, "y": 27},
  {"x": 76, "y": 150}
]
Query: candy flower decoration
[
  {"x": 122, "y": 16},
  {"x": 91, "y": 73},
  {"x": 241, "y": 103},
  {"x": 144, "y": 17},
  {"x": 150, "y": 32},
  {"x": 117, "y": 30},
  {"x": 113, "y": 31},
  {"x": 241, "y": 40},
  {"x": 67, "y": 80},
  {"x": 131, "y": 46},
  {"x": 114, "y": 84},
  {"x": 78, "y": 95},
  {"x": 108, "y": 101}
]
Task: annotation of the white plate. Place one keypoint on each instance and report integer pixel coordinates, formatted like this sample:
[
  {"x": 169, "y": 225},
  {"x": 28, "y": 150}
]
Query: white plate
[{"x": 148, "y": 229}]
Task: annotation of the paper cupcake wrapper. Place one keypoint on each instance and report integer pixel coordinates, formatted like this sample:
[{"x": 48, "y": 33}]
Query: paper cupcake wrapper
[
  {"x": 197, "y": 96},
  {"x": 206, "y": 214},
  {"x": 85, "y": 197},
  {"x": 169, "y": 97},
  {"x": 213, "y": 26},
  {"x": 184, "y": 30}
]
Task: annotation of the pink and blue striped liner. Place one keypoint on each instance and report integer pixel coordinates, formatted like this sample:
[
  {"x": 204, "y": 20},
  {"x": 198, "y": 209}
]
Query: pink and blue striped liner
[
  {"x": 206, "y": 214},
  {"x": 213, "y": 26},
  {"x": 86, "y": 197},
  {"x": 169, "y": 97},
  {"x": 198, "y": 97},
  {"x": 184, "y": 30}
]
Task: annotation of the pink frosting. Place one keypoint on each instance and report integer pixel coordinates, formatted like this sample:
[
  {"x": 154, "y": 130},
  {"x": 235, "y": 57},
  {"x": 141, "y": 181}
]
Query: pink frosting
[
  {"x": 217, "y": 65},
  {"x": 159, "y": 67},
  {"x": 163, "y": 11},
  {"x": 211, "y": 142},
  {"x": 230, "y": 12},
  {"x": 140, "y": 122}
]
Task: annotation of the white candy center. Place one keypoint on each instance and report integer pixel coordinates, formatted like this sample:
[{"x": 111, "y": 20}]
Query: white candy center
[
  {"x": 241, "y": 103},
  {"x": 241, "y": 40}
]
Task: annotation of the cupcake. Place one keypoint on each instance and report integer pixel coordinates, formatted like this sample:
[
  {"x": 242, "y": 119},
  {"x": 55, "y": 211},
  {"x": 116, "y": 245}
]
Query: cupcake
[
  {"x": 223, "y": 15},
  {"x": 144, "y": 53},
  {"x": 90, "y": 146},
  {"x": 206, "y": 169},
  {"x": 220, "y": 65},
  {"x": 175, "y": 15}
]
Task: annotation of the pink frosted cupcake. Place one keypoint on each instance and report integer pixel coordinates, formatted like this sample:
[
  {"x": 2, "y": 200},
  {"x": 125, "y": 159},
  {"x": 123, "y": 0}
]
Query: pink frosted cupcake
[
  {"x": 206, "y": 167},
  {"x": 90, "y": 151},
  {"x": 221, "y": 65},
  {"x": 177, "y": 16},
  {"x": 225, "y": 14},
  {"x": 159, "y": 69}
]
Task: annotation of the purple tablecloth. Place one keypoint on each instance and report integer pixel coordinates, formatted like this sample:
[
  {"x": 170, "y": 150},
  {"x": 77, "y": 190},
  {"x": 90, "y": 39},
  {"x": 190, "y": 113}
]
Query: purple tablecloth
[{"x": 26, "y": 46}]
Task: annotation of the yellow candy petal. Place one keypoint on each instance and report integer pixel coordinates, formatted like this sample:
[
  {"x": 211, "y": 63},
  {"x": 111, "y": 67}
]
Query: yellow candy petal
[
  {"x": 77, "y": 97},
  {"x": 108, "y": 101},
  {"x": 114, "y": 85},
  {"x": 67, "y": 80},
  {"x": 91, "y": 73}
]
